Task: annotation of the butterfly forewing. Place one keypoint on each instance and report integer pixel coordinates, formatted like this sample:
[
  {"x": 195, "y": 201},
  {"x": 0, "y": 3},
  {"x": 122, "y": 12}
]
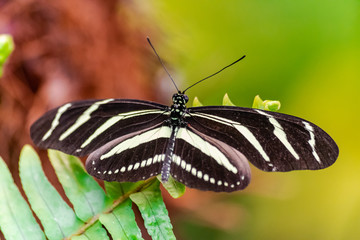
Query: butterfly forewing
[
  {"x": 271, "y": 141},
  {"x": 81, "y": 127}
]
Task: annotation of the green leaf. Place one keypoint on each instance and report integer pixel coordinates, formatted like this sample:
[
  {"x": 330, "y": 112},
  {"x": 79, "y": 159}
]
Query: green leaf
[
  {"x": 270, "y": 105},
  {"x": 117, "y": 189},
  {"x": 196, "y": 102},
  {"x": 227, "y": 101},
  {"x": 85, "y": 194},
  {"x": 96, "y": 231},
  {"x": 174, "y": 188},
  {"x": 258, "y": 103},
  {"x": 153, "y": 211},
  {"x": 57, "y": 218},
  {"x": 121, "y": 222},
  {"x": 6, "y": 48},
  {"x": 16, "y": 219}
]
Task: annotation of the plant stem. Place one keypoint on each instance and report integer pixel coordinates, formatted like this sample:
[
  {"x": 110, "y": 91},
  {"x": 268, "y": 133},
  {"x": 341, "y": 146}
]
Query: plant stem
[{"x": 116, "y": 203}]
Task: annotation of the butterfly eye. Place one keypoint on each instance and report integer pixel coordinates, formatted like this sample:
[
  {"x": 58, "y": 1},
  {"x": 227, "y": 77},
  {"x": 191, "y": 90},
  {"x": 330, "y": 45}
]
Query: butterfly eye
[{"x": 186, "y": 98}]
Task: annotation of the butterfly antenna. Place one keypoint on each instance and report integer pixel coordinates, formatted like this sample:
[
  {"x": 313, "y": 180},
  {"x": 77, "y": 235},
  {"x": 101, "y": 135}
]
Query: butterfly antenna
[
  {"x": 214, "y": 73},
  {"x": 148, "y": 39}
]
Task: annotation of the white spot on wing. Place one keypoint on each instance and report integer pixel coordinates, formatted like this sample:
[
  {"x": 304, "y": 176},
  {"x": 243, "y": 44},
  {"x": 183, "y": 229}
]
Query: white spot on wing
[
  {"x": 188, "y": 167},
  {"x": 193, "y": 171},
  {"x": 197, "y": 173},
  {"x": 156, "y": 158},
  {"x": 183, "y": 164},
  {"x": 136, "y": 166},
  {"x": 149, "y": 162},
  {"x": 130, "y": 167},
  {"x": 178, "y": 160},
  {"x": 206, "y": 177}
]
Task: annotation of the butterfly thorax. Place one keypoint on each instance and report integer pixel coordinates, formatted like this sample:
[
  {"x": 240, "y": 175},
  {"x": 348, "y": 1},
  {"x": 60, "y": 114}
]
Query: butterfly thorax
[{"x": 178, "y": 109}]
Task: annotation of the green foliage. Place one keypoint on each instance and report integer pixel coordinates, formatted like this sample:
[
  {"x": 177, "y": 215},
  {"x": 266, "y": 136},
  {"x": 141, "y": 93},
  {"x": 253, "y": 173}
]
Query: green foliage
[
  {"x": 121, "y": 222},
  {"x": 57, "y": 218},
  {"x": 270, "y": 105},
  {"x": 6, "y": 48},
  {"x": 227, "y": 101},
  {"x": 153, "y": 211},
  {"x": 174, "y": 188},
  {"x": 93, "y": 212},
  {"x": 16, "y": 219},
  {"x": 85, "y": 194},
  {"x": 196, "y": 102}
]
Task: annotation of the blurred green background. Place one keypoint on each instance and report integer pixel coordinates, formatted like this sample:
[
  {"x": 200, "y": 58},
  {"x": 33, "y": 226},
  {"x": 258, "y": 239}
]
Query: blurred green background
[{"x": 305, "y": 54}]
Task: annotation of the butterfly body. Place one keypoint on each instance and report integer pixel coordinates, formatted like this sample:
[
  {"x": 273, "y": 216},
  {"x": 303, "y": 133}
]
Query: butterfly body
[{"x": 177, "y": 111}]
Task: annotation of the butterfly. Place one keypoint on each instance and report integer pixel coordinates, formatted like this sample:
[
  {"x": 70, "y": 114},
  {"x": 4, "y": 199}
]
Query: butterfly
[{"x": 206, "y": 148}]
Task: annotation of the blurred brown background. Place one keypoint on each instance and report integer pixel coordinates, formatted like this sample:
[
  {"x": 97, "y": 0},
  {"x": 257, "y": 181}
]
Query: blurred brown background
[{"x": 68, "y": 50}]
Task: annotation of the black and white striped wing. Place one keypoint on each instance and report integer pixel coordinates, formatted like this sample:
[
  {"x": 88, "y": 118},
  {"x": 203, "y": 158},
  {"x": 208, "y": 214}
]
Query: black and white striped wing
[
  {"x": 198, "y": 161},
  {"x": 206, "y": 163},
  {"x": 271, "y": 141},
  {"x": 81, "y": 127},
  {"x": 128, "y": 140},
  {"x": 133, "y": 157}
]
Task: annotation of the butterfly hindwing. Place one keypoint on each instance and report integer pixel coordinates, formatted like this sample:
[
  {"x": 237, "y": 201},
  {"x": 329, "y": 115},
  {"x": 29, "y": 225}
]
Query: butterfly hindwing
[
  {"x": 79, "y": 128},
  {"x": 271, "y": 141},
  {"x": 205, "y": 163},
  {"x": 130, "y": 158}
]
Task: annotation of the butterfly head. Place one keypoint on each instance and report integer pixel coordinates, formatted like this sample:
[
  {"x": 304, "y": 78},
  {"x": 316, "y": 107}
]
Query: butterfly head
[
  {"x": 180, "y": 99},
  {"x": 178, "y": 108}
]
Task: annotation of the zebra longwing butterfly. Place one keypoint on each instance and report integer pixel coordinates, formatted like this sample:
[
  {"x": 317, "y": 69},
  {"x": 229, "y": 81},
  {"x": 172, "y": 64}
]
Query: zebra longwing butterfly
[{"x": 207, "y": 147}]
